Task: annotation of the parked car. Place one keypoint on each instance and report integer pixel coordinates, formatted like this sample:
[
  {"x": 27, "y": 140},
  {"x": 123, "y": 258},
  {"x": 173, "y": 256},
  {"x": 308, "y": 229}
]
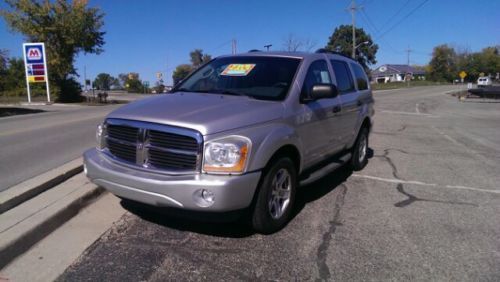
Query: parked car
[
  {"x": 240, "y": 133},
  {"x": 484, "y": 81}
]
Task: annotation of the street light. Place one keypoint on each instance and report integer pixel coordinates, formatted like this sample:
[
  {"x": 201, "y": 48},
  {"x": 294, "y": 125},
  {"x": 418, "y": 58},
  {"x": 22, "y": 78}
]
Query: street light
[
  {"x": 267, "y": 46},
  {"x": 356, "y": 47}
]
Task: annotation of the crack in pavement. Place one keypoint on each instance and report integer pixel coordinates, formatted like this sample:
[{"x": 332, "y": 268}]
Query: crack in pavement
[
  {"x": 324, "y": 271},
  {"x": 390, "y": 162},
  {"x": 400, "y": 188},
  {"x": 411, "y": 199}
]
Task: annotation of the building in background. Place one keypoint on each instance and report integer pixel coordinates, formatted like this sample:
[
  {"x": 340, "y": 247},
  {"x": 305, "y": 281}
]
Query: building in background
[{"x": 397, "y": 73}]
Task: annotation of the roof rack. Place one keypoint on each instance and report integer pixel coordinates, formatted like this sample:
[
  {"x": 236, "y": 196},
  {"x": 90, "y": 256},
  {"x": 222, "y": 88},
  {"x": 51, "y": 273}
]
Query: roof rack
[{"x": 326, "y": 51}]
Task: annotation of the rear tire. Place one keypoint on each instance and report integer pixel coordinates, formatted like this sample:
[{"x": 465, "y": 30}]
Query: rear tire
[
  {"x": 359, "y": 153},
  {"x": 275, "y": 198}
]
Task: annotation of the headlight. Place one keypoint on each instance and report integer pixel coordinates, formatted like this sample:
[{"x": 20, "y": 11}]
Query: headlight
[
  {"x": 226, "y": 155},
  {"x": 100, "y": 136}
]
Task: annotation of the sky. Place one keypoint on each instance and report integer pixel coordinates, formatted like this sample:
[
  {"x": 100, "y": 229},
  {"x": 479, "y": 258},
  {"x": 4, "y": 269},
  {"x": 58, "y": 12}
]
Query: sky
[{"x": 155, "y": 36}]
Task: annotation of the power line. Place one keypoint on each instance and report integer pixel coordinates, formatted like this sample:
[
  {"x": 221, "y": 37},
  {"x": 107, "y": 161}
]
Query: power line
[
  {"x": 391, "y": 18},
  {"x": 376, "y": 30},
  {"x": 404, "y": 18}
]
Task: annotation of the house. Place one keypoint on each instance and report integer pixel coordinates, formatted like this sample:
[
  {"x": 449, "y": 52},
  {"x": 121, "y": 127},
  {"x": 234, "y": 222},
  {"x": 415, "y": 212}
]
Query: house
[{"x": 394, "y": 73}]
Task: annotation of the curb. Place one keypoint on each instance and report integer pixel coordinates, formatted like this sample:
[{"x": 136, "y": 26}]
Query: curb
[
  {"x": 24, "y": 241},
  {"x": 28, "y": 189}
]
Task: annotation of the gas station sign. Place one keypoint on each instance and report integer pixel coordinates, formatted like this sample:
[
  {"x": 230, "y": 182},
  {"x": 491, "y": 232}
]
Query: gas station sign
[{"x": 35, "y": 66}]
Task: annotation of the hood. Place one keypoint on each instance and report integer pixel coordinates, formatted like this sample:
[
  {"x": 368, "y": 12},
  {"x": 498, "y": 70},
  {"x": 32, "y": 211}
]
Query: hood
[{"x": 206, "y": 113}]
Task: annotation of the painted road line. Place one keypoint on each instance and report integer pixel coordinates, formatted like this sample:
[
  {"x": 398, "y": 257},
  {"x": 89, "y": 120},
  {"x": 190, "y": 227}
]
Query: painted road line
[
  {"x": 409, "y": 113},
  {"x": 420, "y": 183}
]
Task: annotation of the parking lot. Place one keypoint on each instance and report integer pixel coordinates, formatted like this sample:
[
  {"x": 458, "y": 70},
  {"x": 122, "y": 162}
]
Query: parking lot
[{"x": 425, "y": 208}]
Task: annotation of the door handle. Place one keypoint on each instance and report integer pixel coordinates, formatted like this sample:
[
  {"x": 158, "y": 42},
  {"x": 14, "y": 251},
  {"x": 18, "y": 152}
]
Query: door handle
[{"x": 336, "y": 109}]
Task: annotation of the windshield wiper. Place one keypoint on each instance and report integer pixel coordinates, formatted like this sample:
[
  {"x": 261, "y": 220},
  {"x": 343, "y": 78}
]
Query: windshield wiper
[{"x": 187, "y": 90}]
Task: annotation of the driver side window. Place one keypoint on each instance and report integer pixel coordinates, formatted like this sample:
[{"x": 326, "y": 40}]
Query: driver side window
[{"x": 317, "y": 73}]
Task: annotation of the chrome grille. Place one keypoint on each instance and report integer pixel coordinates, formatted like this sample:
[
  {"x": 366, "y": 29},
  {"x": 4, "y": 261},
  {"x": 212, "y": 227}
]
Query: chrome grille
[
  {"x": 154, "y": 146},
  {"x": 122, "y": 150},
  {"x": 164, "y": 159},
  {"x": 125, "y": 133}
]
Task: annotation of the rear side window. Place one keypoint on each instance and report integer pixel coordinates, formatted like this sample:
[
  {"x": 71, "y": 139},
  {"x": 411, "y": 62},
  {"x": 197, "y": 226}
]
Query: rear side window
[
  {"x": 345, "y": 83},
  {"x": 317, "y": 73},
  {"x": 360, "y": 77}
]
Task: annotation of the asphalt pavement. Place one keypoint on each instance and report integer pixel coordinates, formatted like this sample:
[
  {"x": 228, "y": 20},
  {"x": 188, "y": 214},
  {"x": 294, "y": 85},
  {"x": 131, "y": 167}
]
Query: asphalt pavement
[
  {"x": 425, "y": 208},
  {"x": 35, "y": 143}
]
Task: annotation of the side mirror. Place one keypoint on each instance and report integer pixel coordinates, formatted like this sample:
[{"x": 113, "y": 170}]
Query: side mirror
[{"x": 321, "y": 91}]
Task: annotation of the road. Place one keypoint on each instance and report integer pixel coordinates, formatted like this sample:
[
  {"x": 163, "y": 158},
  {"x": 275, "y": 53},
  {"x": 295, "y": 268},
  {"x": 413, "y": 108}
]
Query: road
[
  {"x": 425, "y": 208},
  {"x": 33, "y": 144}
]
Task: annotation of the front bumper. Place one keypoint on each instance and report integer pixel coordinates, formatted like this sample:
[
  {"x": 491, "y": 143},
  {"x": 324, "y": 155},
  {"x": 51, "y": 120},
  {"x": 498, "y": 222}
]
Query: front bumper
[{"x": 178, "y": 191}]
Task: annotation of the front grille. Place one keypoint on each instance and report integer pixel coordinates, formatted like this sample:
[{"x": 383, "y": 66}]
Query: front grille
[
  {"x": 154, "y": 146},
  {"x": 164, "y": 159},
  {"x": 121, "y": 150}
]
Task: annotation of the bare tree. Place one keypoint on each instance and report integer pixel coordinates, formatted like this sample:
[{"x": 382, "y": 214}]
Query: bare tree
[{"x": 292, "y": 43}]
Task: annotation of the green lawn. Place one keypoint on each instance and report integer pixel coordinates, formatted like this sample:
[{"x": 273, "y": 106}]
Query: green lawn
[{"x": 396, "y": 85}]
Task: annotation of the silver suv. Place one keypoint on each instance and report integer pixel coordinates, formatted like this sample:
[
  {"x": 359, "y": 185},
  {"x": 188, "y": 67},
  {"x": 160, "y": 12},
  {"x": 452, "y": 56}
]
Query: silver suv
[{"x": 240, "y": 133}]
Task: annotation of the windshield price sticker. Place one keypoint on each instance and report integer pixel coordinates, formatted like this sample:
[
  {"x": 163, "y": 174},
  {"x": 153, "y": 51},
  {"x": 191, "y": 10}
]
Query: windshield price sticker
[{"x": 238, "y": 69}]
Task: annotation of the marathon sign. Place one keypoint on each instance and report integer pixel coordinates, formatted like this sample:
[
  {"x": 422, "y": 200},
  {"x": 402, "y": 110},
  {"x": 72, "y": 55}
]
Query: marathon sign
[
  {"x": 35, "y": 63},
  {"x": 34, "y": 59}
]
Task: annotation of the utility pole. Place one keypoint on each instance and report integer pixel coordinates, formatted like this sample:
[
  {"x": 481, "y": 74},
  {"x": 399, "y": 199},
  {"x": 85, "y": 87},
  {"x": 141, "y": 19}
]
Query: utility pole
[
  {"x": 85, "y": 78},
  {"x": 267, "y": 46},
  {"x": 408, "y": 63},
  {"x": 353, "y": 9},
  {"x": 233, "y": 46}
]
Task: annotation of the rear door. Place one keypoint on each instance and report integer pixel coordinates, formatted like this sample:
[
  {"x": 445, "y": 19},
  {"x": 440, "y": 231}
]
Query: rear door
[{"x": 349, "y": 100}]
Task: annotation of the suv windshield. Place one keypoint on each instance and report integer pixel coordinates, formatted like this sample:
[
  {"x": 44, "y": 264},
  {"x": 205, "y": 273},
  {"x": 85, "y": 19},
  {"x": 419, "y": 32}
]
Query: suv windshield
[{"x": 267, "y": 78}]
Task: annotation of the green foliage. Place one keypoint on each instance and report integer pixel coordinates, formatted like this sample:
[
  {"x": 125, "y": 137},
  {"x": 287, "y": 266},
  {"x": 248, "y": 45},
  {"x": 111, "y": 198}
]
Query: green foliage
[
  {"x": 447, "y": 63},
  {"x": 341, "y": 41},
  {"x": 66, "y": 28},
  {"x": 105, "y": 81},
  {"x": 13, "y": 79},
  {"x": 3, "y": 60},
  {"x": 180, "y": 72},
  {"x": 198, "y": 58},
  {"x": 442, "y": 66},
  {"x": 131, "y": 82}
]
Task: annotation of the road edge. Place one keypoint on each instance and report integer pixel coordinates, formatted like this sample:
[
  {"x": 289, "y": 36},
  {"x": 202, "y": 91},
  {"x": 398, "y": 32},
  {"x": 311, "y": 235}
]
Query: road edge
[{"x": 30, "y": 188}]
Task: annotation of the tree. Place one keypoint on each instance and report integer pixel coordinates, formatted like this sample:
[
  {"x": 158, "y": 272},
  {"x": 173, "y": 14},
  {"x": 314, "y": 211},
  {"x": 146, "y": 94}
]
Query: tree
[
  {"x": 3, "y": 68},
  {"x": 442, "y": 66},
  {"x": 13, "y": 80},
  {"x": 131, "y": 82},
  {"x": 104, "y": 81},
  {"x": 3, "y": 59},
  {"x": 180, "y": 72},
  {"x": 66, "y": 28},
  {"x": 341, "y": 41},
  {"x": 292, "y": 44},
  {"x": 198, "y": 58}
]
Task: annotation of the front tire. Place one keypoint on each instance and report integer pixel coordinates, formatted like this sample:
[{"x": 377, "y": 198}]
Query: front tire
[
  {"x": 275, "y": 198},
  {"x": 359, "y": 154}
]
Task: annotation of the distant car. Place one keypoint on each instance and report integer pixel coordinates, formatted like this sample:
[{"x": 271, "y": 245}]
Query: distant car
[{"x": 484, "y": 81}]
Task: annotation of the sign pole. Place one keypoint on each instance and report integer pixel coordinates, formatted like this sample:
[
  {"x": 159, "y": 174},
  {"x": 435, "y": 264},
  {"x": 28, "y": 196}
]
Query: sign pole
[
  {"x": 26, "y": 74},
  {"x": 46, "y": 73}
]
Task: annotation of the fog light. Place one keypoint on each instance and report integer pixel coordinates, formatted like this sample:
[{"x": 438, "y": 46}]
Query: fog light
[
  {"x": 204, "y": 198},
  {"x": 207, "y": 195}
]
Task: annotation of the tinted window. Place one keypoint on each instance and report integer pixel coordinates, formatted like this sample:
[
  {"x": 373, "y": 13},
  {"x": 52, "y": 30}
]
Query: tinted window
[
  {"x": 343, "y": 75},
  {"x": 360, "y": 76},
  {"x": 267, "y": 78},
  {"x": 317, "y": 73}
]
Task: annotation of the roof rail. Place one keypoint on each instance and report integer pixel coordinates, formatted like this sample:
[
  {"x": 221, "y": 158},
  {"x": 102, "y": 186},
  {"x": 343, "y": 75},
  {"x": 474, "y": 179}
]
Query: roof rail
[{"x": 326, "y": 51}]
